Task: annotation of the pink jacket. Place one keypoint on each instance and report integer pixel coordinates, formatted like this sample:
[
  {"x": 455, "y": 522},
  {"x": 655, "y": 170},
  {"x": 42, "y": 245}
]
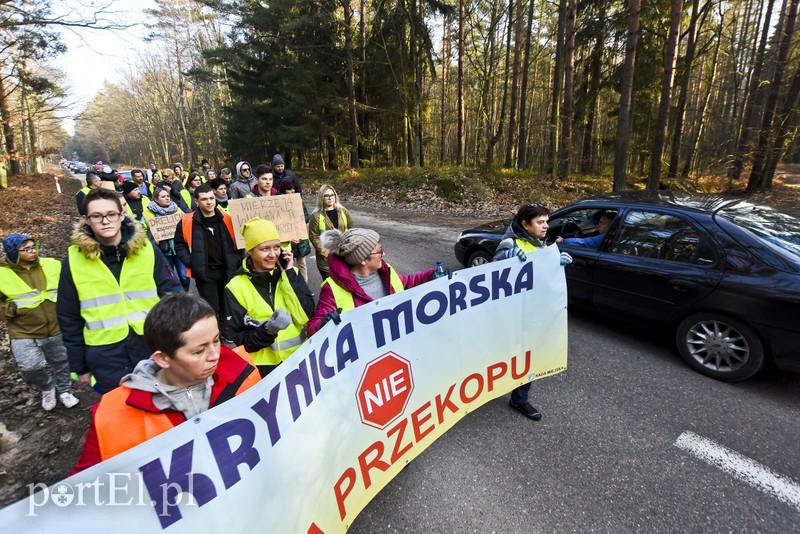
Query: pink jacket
[{"x": 341, "y": 274}]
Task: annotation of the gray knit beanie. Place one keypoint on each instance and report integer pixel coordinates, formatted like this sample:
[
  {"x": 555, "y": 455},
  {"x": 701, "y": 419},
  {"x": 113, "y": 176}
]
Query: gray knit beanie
[{"x": 353, "y": 246}]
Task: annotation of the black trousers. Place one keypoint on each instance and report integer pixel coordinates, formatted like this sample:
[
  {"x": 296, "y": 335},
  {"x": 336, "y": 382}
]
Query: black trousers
[{"x": 212, "y": 290}]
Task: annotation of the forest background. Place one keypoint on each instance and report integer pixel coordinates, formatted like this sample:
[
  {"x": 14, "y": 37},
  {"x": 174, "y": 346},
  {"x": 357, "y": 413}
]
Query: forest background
[{"x": 643, "y": 93}]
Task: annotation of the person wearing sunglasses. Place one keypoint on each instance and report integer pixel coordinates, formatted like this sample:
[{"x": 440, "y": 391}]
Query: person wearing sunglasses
[
  {"x": 358, "y": 275},
  {"x": 28, "y": 293},
  {"x": 110, "y": 279},
  {"x": 329, "y": 215},
  {"x": 242, "y": 186}
]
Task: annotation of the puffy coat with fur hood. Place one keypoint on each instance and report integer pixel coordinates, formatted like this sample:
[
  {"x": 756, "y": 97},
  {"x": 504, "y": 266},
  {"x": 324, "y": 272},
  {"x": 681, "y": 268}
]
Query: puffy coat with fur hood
[{"x": 108, "y": 363}]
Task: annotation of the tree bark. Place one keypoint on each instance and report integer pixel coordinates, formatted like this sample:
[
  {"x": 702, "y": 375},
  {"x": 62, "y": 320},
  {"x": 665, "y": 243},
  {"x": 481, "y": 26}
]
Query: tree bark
[
  {"x": 566, "y": 112},
  {"x": 558, "y": 80},
  {"x": 522, "y": 147},
  {"x": 623, "y": 122},
  {"x": 8, "y": 130},
  {"x": 351, "y": 83},
  {"x": 461, "y": 103},
  {"x": 517, "y": 70},
  {"x": 670, "y": 56}
]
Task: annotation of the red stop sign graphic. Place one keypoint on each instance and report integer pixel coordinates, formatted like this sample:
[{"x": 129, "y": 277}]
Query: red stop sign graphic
[{"x": 384, "y": 390}]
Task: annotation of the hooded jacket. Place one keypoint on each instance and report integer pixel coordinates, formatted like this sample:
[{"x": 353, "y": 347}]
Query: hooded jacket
[
  {"x": 29, "y": 323},
  {"x": 107, "y": 363},
  {"x": 255, "y": 338},
  {"x": 242, "y": 187},
  {"x": 508, "y": 246},
  {"x": 340, "y": 272},
  {"x": 143, "y": 392}
]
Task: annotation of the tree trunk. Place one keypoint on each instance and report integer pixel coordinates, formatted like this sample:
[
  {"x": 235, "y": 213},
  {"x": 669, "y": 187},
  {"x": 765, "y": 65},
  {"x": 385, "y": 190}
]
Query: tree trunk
[
  {"x": 767, "y": 136},
  {"x": 445, "y": 77},
  {"x": 595, "y": 72},
  {"x": 670, "y": 56},
  {"x": 623, "y": 137},
  {"x": 522, "y": 147},
  {"x": 460, "y": 140},
  {"x": 558, "y": 80},
  {"x": 753, "y": 89},
  {"x": 499, "y": 131},
  {"x": 675, "y": 154},
  {"x": 566, "y": 112},
  {"x": 351, "y": 83},
  {"x": 517, "y": 70},
  {"x": 8, "y": 130},
  {"x": 784, "y": 132}
]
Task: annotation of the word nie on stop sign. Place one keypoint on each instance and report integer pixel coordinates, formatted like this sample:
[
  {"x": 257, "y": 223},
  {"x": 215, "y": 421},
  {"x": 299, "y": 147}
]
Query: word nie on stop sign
[{"x": 384, "y": 390}]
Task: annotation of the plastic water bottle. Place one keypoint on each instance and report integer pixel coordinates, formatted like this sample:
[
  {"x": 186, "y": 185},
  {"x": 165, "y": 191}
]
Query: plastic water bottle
[{"x": 439, "y": 272}]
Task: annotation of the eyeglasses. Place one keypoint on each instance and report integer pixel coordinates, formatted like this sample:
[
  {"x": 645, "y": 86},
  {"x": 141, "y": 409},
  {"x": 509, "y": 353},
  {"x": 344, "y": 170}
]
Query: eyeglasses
[
  {"x": 378, "y": 253},
  {"x": 110, "y": 217},
  {"x": 329, "y": 196},
  {"x": 28, "y": 249},
  {"x": 245, "y": 170}
]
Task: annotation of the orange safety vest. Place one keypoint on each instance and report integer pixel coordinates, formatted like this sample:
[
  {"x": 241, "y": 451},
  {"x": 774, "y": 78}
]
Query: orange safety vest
[
  {"x": 186, "y": 227},
  {"x": 120, "y": 426}
]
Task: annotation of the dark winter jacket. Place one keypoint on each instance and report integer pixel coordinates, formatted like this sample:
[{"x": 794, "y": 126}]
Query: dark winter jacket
[
  {"x": 197, "y": 258},
  {"x": 266, "y": 283},
  {"x": 108, "y": 363},
  {"x": 290, "y": 175}
]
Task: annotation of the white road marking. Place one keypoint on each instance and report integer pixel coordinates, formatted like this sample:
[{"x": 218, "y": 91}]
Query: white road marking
[{"x": 782, "y": 488}]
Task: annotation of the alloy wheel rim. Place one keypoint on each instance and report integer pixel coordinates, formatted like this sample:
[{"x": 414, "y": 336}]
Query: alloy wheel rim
[{"x": 717, "y": 346}]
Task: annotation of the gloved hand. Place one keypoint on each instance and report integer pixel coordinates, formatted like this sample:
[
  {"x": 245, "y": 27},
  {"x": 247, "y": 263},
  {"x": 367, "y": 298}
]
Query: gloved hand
[
  {"x": 279, "y": 320},
  {"x": 331, "y": 316},
  {"x": 521, "y": 255},
  {"x": 566, "y": 259}
]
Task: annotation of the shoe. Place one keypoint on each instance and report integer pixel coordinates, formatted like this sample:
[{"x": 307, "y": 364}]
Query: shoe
[
  {"x": 527, "y": 410},
  {"x": 49, "y": 400},
  {"x": 68, "y": 399}
]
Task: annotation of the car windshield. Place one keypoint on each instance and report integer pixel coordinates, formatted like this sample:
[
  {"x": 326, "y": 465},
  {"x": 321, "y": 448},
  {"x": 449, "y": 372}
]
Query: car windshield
[{"x": 779, "y": 230}]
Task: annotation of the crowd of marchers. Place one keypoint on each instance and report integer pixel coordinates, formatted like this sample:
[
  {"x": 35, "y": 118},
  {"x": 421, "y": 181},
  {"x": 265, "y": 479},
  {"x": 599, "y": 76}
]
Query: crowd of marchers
[{"x": 115, "y": 313}]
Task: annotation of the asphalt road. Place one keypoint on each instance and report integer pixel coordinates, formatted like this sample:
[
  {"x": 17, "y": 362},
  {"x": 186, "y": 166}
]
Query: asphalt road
[{"x": 605, "y": 456}]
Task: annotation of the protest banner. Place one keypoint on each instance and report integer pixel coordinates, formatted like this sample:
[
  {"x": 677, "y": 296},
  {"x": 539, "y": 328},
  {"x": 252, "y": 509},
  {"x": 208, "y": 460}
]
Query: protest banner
[
  {"x": 309, "y": 446},
  {"x": 286, "y": 211},
  {"x": 163, "y": 228}
]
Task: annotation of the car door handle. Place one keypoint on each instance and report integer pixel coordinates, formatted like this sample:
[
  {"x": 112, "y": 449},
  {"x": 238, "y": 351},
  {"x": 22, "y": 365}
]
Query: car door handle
[{"x": 682, "y": 285}]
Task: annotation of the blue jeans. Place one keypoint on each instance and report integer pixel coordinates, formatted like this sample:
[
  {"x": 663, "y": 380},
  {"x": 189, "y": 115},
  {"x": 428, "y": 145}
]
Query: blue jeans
[
  {"x": 179, "y": 268},
  {"x": 519, "y": 395}
]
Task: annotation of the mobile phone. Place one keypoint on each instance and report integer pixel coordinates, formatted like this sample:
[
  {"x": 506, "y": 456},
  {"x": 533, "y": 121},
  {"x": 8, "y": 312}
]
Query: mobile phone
[{"x": 282, "y": 261}]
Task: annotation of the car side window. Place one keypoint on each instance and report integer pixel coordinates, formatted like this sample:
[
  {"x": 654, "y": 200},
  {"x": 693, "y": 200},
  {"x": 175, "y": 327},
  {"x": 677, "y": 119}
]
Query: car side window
[{"x": 662, "y": 236}]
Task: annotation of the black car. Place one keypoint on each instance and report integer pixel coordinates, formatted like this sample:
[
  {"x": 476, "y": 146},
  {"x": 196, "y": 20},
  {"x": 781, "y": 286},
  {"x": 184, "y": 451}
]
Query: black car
[{"x": 722, "y": 273}]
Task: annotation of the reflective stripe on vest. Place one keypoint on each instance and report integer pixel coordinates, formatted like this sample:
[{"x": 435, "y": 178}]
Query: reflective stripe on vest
[
  {"x": 120, "y": 426},
  {"x": 342, "y": 216},
  {"x": 17, "y": 291},
  {"x": 257, "y": 308},
  {"x": 110, "y": 307},
  {"x": 344, "y": 299},
  {"x": 525, "y": 246}
]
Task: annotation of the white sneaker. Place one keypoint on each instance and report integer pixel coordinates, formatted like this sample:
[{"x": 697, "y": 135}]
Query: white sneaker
[
  {"x": 49, "y": 400},
  {"x": 68, "y": 399}
]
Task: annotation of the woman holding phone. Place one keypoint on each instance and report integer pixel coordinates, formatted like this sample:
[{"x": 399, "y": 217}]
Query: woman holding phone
[{"x": 267, "y": 303}]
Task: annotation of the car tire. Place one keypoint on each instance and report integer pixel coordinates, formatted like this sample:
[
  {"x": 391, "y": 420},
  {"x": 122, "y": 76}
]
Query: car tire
[
  {"x": 478, "y": 258},
  {"x": 720, "y": 346}
]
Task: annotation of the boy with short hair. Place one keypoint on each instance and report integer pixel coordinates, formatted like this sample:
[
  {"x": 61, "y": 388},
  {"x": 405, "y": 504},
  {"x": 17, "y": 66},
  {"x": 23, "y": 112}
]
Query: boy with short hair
[{"x": 188, "y": 373}]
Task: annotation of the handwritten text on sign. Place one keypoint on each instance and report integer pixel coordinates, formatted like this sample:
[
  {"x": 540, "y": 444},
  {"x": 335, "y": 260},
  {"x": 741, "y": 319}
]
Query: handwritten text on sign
[
  {"x": 163, "y": 227},
  {"x": 286, "y": 211}
]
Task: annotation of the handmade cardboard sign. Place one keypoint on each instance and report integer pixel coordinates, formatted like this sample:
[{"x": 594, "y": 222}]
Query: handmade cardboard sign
[{"x": 286, "y": 211}]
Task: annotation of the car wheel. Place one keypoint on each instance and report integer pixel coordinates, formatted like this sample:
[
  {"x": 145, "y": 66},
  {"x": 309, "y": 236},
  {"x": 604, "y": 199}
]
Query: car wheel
[
  {"x": 720, "y": 347},
  {"x": 479, "y": 258}
]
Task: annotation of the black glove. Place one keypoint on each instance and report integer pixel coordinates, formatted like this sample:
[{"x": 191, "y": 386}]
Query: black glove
[{"x": 332, "y": 316}]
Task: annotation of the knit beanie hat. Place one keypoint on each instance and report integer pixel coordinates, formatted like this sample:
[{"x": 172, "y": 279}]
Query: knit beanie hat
[
  {"x": 127, "y": 187},
  {"x": 258, "y": 230},
  {"x": 277, "y": 159},
  {"x": 11, "y": 244},
  {"x": 353, "y": 246},
  {"x": 285, "y": 184}
]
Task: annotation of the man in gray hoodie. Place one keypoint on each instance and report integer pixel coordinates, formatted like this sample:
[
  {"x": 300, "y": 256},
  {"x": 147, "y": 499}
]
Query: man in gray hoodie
[{"x": 245, "y": 181}]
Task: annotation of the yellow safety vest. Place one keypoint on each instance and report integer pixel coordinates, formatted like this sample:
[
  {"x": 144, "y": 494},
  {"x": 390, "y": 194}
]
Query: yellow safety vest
[
  {"x": 344, "y": 299},
  {"x": 322, "y": 220},
  {"x": 84, "y": 190},
  {"x": 17, "y": 291},
  {"x": 110, "y": 307},
  {"x": 290, "y": 337},
  {"x": 526, "y": 246}
]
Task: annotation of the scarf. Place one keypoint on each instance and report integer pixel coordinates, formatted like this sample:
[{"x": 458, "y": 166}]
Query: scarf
[{"x": 160, "y": 210}]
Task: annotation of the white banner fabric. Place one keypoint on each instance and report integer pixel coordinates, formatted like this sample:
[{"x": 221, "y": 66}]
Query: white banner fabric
[{"x": 308, "y": 447}]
